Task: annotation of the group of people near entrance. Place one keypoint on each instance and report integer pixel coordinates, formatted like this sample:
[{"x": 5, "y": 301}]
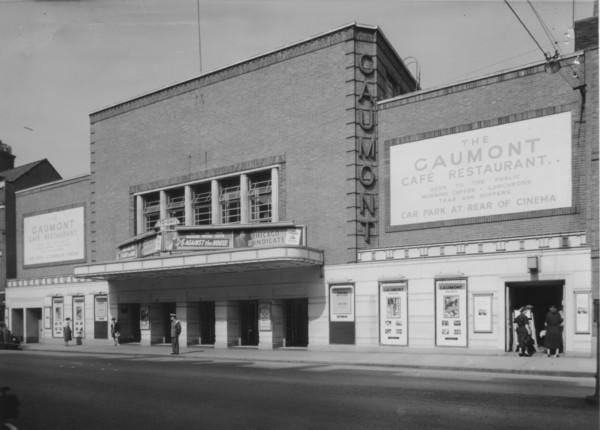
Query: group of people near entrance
[
  {"x": 115, "y": 332},
  {"x": 551, "y": 334}
]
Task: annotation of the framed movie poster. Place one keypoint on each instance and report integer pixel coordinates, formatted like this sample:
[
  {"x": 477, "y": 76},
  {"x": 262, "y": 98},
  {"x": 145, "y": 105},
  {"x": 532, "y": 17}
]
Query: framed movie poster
[
  {"x": 482, "y": 313},
  {"x": 144, "y": 317},
  {"x": 47, "y": 317},
  {"x": 264, "y": 317},
  {"x": 58, "y": 314},
  {"x": 393, "y": 313},
  {"x": 451, "y": 312},
  {"x": 79, "y": 316},
  {"x": 582, "y": 313},
  {"x": 341, "y": 303},
  {"x": 100, "y": 308}
]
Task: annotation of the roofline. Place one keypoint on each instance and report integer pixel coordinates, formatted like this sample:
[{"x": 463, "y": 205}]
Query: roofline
[
  {"x": 53, "y": 184},
  {"x": 247, "y": 60},
  {"x": 479, "y": 78}
]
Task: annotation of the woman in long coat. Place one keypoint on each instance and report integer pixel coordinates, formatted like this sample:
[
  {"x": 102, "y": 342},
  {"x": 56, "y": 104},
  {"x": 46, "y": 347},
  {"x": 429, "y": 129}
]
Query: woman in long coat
[
  {"x": 523, "y": 333},
  {"x": 553, "y": 339}
]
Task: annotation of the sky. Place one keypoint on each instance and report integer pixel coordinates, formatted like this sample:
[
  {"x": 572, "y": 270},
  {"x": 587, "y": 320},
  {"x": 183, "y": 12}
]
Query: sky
[{"x": 62, "y": 60}]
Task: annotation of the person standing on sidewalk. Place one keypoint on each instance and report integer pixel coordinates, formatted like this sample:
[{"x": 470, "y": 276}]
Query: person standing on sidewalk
[
  {"x": 175, "y": 331},
  {"x": 115, "y": 331},
  {"x": 553, "y": 339},
  {"x": 67, "y": 333},
  {"x": 523, "y": 333}
]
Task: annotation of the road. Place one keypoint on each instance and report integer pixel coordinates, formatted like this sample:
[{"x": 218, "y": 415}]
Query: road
[{"x": 78, "y": 391}]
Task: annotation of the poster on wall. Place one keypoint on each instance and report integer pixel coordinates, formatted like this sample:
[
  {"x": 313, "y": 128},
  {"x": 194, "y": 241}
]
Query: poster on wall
[
  {"x": 518, "y": 167},
  {"x": 393, "y": 313},
  {"x": 264, "y": 317},
  {"x": 451, "y": 312},
  {"x": 58, "y": 314},
  {"x": 54, "y": 237},
  {"x": 79, "y": 316},
  {"x": 341, "y": 303},
  {"x": 100, "y": 308},
  {"x": 47, "y": 317},
  {"x": 482, "y": 313},
  {"x": 144, "y": 317},
  {"x": 582, "y": 313}
]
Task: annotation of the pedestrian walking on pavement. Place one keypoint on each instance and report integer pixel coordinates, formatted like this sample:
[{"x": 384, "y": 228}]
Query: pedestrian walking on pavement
[
  {"x": 524, "y": 340},
  {"x": 175, "y": 331},
  {"x": 115, "y": 331},
  {"x": 553, "y": 338},
  {"x": 67, "y": 332}
]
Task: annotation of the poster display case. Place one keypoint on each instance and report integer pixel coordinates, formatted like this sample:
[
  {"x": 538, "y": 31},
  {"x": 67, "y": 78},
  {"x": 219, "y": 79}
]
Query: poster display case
[
  {"x": 451, "y": 312},
  {"x": 393, "y": 313}
]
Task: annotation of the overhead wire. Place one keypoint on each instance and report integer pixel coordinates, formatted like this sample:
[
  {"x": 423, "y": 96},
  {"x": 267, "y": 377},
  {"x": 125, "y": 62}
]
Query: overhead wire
[
  {"x": 547, "y": 31},
  {"x": 546, "y": 55}
]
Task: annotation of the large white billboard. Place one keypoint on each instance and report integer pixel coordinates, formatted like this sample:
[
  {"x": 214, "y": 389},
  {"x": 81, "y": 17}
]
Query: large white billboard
[
  {"x": 518, "y": 167},
  {"x": 54, "y": 237}
]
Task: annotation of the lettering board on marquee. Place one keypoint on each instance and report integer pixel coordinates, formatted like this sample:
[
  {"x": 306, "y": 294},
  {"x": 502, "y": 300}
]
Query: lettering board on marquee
[
  {"x": 451, "y": 312},
  {"x": 393, "y": 313},
  {"x": 519, "y": 167}
]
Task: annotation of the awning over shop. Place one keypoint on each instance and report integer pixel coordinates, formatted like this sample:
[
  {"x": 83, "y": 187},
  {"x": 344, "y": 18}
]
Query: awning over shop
[{"x": 213, "y": 262}]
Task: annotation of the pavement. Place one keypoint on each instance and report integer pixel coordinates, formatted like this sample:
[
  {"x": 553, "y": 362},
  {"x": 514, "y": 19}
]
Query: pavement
[{"x": 567, "y": 365}]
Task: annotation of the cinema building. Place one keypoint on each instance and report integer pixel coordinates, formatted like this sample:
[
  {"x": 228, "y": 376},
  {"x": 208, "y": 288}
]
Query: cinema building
[{"x": 316, "y": 196}]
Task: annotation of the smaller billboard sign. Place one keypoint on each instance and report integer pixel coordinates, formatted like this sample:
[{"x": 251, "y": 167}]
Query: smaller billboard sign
[{"x": 54, "y": 237}]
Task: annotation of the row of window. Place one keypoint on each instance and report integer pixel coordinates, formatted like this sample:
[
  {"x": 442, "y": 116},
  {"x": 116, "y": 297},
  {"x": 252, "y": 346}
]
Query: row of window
[{"x": 227, "y": 195}]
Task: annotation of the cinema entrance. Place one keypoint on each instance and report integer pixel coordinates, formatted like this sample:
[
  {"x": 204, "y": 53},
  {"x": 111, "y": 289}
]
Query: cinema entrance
[
  {"x": 296, "y": 322},
  {"x": 537, "y": 297}
]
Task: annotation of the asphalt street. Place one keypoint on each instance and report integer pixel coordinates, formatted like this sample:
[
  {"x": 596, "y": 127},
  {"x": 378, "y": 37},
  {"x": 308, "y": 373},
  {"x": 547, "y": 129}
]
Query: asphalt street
[{"x": 84, "y": 391}]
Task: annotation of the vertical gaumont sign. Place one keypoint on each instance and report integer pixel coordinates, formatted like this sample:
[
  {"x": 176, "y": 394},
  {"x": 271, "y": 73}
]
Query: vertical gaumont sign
[
  {"x": 366, "y": 144},
  {"x": 518, "y": 167},
  {"x": 54, "y": 237}
]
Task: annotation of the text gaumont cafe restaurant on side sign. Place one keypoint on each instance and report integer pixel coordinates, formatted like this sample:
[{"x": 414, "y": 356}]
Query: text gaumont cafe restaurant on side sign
[{"x": 481, "y": 219}]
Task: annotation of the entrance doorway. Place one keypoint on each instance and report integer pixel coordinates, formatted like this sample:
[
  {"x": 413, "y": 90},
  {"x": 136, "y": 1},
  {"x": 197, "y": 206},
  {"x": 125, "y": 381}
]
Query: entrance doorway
[
  {"x": 540, "y": 295},
  {"x": 296, "y": 322},
  {"x": 249, "y": 322},
  {"x": 166, "y": 310},
  {"x": 33, "y": 324},
  {"x": 129, "y": 322},
  {"x": 207, "y": 323}
]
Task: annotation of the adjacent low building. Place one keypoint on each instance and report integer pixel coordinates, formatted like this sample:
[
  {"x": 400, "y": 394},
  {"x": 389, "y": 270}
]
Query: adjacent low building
[{"x": 316, "y": 196}]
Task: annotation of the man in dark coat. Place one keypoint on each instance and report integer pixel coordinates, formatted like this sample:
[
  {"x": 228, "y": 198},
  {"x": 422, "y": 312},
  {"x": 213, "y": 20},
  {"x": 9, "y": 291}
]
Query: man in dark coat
[
  {"x": 67, "y": 332},
  {"x": 175, "y": 331}
]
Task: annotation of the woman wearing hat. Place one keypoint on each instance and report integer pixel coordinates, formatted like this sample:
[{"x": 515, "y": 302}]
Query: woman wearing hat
[
  {"x": 523, "y": 333},
  {"x": 553, "y": 339}
]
